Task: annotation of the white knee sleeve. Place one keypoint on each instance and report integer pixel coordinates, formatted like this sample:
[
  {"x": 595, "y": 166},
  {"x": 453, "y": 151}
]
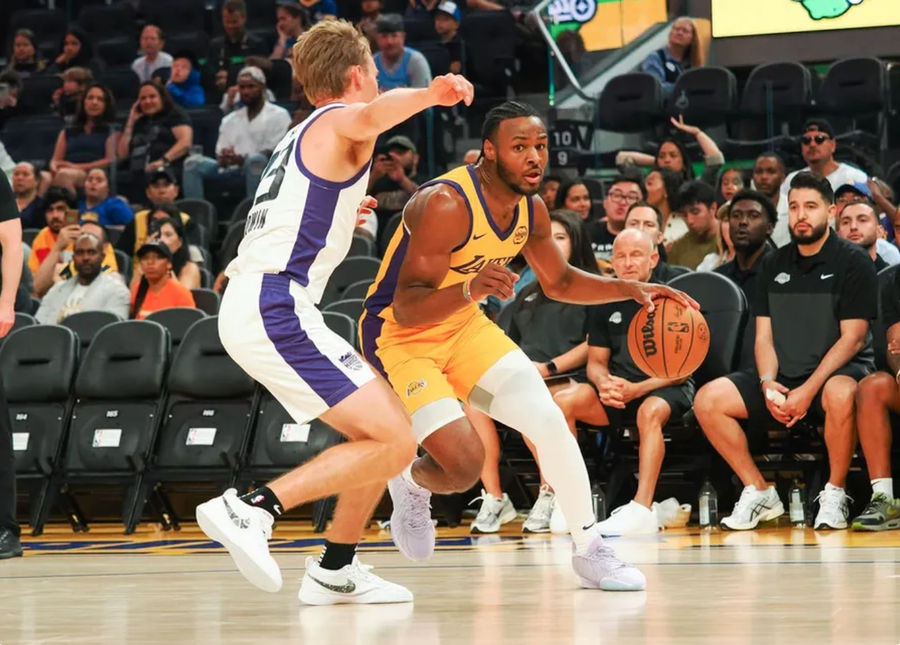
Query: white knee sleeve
[{"x": 513, "y": 393}]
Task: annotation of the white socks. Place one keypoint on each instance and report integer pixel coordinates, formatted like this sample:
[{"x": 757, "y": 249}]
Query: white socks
[{"x": 883, "y": 485}]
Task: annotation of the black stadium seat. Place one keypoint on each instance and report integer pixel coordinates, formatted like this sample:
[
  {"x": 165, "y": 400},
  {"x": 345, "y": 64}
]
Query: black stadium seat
[
  {"x": 437, "y": 56},
  {"x": 174, "y": 16},
  {"x": 205, "y": 122},
  {"x": 86, "y": 324},
  {"x": 351, "y": 308},
  {"x": 201, "y": 211},
  {"x": 361, "y": 245},
  {"x": 784, "y": 88},
  {"x": 124, "y": 84},
  {"x": 209, "y": 414},
  {"x": 37, "y": 365},
  {"x": 705, "y": 96},
  {"x": 48, "y": 26},
  {"x": 178, "y": 320},
  {"x": 357, "y": 290},
  {"x": 31, "y": 138},
  {"x": 419, "y": 29},
  {"x": 118, "y": 53},
  {"x": 103, "y": 21},
  {"x": 342, "y": 325},
  {"x": 490, "y": 42},
  {"x": 352, "y": 269},
  {"x": 125, "y": 265},
  {"x": 36, "y": 96},
  {"x": 853, "y": 86},
  {"x": 206, "y": 300},
  {"x": 196, "y": 42},
  {"x": 630, "y": 103},
  {"x": 118, "y": 409}
]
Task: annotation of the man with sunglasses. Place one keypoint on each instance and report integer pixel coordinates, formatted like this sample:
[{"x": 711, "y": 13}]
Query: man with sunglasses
[{"x": 817, "y": 145}]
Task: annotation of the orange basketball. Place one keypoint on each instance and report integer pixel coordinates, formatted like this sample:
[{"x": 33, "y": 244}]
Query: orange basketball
[{"x": 670, "y": 342}]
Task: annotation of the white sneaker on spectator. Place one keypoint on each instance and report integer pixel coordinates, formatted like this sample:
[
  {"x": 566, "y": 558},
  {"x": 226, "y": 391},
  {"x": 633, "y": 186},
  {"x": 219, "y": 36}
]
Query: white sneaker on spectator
[
  {"x": 631, "y": 519},
  {"x": 538, "y": 520},
  {"x": 599, "y": 568},
  {"x": 833, "y": 508},
  {"x": 558, "y": 522},
  {"x": 753, "y": 507},
  {"x": 245, "y": 531},
  {"x": 411, "y": 525},
  {"x": 352, "y": 584},
  {"x": 494, "y": 513}
]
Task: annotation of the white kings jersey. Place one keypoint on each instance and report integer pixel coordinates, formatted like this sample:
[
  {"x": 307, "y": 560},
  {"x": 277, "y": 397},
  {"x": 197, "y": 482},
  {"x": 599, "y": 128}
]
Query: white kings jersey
[{"x": 299, "y": 224}]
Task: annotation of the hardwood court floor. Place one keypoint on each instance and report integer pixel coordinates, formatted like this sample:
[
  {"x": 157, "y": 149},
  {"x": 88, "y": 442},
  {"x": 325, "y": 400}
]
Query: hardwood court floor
[{"x": 770, "y": 586}]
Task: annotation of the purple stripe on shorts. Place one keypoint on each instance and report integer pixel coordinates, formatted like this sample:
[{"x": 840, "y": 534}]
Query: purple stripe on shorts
[
  {"x": 315, "y": 223},
  {"x": 276, "y": 305}
]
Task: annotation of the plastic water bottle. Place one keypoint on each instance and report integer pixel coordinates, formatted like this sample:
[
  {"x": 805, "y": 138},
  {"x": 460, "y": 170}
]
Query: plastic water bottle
[
  {"x": 797, "y": 505},
  {"x": 599, "y": 501},
  {"x": 708, "y": 506}
]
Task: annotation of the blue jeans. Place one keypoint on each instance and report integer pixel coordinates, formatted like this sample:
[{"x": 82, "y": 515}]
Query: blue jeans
[{"x": 197, "y": 168}]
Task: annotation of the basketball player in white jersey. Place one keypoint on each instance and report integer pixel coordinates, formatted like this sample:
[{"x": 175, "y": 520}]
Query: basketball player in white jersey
[{"x": 298, "y": 230}]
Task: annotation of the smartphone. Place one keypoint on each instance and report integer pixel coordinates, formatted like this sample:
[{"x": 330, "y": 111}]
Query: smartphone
[{"x": 71, "y": 218}]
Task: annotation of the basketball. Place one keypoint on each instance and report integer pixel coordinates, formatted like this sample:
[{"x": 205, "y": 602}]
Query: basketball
[{"x": 669, "y": 342}]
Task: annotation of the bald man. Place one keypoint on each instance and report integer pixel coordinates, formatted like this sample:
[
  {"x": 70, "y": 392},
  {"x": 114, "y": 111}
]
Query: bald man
[
  {"x": 471, "y": 156},
  {"x": 617, "y": 392}
]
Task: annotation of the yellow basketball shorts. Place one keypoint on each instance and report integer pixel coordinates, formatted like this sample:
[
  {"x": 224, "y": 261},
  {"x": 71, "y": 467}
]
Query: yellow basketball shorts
[{"x": 428, "y": 363}]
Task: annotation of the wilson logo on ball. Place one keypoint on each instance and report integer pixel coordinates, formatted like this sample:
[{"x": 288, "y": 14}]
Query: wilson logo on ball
[{"x": 669, "y": 342}]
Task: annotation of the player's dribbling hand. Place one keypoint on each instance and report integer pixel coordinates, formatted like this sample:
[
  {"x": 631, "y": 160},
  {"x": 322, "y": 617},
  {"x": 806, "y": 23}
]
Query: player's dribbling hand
[
  {"x": 493, "y": 280},
  {"x": 646, "y": 293},
  {"x": 450, "y": 89}
]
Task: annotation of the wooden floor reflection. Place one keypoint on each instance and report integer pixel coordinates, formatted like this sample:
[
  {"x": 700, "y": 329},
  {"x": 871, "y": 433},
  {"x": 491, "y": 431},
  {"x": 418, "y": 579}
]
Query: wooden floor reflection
[{"x": 770, "y": 586}]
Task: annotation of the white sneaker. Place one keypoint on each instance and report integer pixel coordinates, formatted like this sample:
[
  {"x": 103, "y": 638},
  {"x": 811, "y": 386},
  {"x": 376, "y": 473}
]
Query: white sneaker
[
  {"x": 599, "y": 568},
  {"x": 753, "y": 507},
  {"x": 352, "y": 584},
  {"x": 493, "y": 513},
  {"x": 631, "y": 519},
  {"x": 411, "y": 525},
  {"x": 538, "y": 520},
  {"x": 833, "y": 508},
  {"x": 558, "y": 524},
  {"x": 245, "y": 531}
]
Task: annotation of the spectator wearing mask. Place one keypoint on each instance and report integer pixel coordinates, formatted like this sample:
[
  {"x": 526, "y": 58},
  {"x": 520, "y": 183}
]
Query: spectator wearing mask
[
  {"x": 25, "y": 188},
  {"x": 859, "y": 225},
  {"x": 229, "y": 51},
  {"x": 397, "y": 64},
  {"x": 768, "y": 175},
  {"x": 75, "y": 51},
  {"x": 157, "y": 134},
  {"x": 817, "y": 146},
  {"x": 446, "y": 23},
  {"x": 89, "y": 142},
  {"x": 88, "y": 289},
  {"x": 683, "y": 51},
  {"x": 393, "y": 178},
  {"x": 157, "y": 288},
  {"x": 154, "y": 58},
  {"x": 25, "y": 58},
  {"x": 662, "y": 187},
  {"x": 185, "y": 86},
  {"x": 291, "y": 21},
  {"x": 247, "y": 137},
  {"x": 698, "y": 203},
  {"x": 110, "y": 210},
  {"x": 68, "y": 98},
  {"x": 623, "y": 191}
]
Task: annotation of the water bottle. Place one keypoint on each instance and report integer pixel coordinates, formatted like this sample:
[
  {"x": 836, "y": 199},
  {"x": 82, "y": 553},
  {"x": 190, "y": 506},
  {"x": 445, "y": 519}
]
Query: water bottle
[
  {"x": 797, "y": 505},
  {"x": 599, "y": 501},
  {"x": 709, "y": 506}
]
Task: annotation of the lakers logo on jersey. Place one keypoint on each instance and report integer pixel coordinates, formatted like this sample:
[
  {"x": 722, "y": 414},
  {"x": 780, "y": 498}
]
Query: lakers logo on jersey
[{"x": 478, "y": 263}]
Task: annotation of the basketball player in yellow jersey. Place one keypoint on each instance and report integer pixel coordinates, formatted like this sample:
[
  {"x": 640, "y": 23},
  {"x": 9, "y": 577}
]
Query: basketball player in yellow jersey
[{"x": 423, "y": 330}]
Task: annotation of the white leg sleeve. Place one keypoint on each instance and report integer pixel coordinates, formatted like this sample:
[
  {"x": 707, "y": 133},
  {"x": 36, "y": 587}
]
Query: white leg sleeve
[{"x": 513, "y": 393}]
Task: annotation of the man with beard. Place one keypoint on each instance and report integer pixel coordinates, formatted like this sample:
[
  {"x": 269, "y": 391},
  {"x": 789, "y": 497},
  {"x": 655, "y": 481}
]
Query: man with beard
[
  {"x": 423, "y": 330},
  {"x": 751, "y": 218},
  {"x": 814, "y": 301},
  {"x": 859, "y": 224},
  {"x": 88, "y": 290},
  {"x": 392, "y": 180},
  {"x": 768, "y": 175}
]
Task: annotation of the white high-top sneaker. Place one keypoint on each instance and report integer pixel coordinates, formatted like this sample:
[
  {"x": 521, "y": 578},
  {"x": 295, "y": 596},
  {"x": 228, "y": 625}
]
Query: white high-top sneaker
[{"x": 245, "y": 531}]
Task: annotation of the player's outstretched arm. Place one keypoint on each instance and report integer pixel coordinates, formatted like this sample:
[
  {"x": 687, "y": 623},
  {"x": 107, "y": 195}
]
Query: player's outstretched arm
[
  {"x": 365, "y": 121},
  {"x": 561, "y": 281}
]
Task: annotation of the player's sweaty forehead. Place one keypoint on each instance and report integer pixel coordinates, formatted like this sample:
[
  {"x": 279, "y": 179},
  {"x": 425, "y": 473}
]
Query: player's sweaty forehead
[{"x": 521, "y": 128}]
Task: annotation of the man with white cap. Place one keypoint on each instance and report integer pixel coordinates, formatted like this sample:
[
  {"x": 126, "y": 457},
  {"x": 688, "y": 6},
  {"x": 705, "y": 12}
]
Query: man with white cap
[
  {"x": 247, "y": 137},
  {"x": 446, "y": 23}
]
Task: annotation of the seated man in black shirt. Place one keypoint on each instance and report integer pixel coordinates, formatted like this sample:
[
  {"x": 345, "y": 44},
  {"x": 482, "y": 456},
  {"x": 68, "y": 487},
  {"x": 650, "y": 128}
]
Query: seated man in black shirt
[
  {"x": 879, "y": 394},
  {"x": 624, "y": 191},
  {"x": 617, "y": 391},
  {"x": 858, "y": 223},
  {"x": 752, "y": 219},
  {"x": 815, "y": 298},
  {"x": 648, "y": 218}
]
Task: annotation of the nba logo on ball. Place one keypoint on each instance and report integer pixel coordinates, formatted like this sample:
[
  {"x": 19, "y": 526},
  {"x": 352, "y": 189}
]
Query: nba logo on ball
[{"x": 669, "y": 342}]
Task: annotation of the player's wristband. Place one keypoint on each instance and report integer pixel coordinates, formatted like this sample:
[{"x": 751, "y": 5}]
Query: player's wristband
[{"x": 467, "y": 292}]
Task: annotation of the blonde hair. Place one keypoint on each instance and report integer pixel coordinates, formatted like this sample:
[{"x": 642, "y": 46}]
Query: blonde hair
[{"x": 324, "y": 55}]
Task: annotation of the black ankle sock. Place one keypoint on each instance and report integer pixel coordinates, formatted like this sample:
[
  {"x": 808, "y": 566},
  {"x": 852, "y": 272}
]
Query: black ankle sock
[
  {"x": 336, "y": 555},
  {"x": 265, "y": 499}
]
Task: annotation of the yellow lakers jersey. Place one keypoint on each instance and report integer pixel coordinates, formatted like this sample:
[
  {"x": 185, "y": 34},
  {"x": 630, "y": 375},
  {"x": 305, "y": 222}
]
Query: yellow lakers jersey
[{"x": 485, "y": 243}]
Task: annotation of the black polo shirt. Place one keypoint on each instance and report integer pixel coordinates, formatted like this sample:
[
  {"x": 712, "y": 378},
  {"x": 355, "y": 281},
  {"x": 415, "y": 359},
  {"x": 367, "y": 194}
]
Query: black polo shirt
[
  {"x": 806, "y": 299},
  {"x": 890, "y": 302},
  {"x": 880, "y": 264},
  {"x": 544, "y": 328},
  {"x": 607, "y": 326},
  {"x": 747, "y": 278}
]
